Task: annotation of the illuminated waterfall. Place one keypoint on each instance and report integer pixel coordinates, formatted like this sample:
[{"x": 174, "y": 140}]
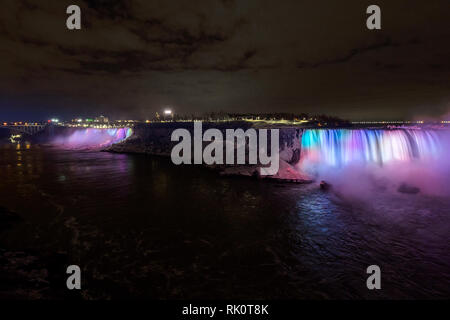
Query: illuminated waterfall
[
  {"x": 340, "y": 147},
  {"x": 93, "y": 137}
]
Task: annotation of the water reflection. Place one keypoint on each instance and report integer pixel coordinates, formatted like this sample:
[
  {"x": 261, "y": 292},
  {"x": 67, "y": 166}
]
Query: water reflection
[{"x": 142, "y": 227}]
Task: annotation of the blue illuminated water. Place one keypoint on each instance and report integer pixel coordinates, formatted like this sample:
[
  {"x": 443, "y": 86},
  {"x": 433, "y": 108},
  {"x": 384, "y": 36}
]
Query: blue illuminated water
[{"x": 340, "y": 147}]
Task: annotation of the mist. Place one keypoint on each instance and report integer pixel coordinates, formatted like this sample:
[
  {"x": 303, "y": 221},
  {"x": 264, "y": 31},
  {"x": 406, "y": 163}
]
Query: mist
[{"x": 366, "y": 169}]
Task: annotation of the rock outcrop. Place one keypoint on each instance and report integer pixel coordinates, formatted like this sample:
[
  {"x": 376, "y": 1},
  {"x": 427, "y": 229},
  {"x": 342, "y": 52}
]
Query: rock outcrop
[{"x": 155, "y": 139}]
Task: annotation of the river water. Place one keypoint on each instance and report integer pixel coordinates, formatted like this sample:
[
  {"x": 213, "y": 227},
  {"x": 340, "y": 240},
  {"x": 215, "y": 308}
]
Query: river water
[{"x": 139, "y": 226}]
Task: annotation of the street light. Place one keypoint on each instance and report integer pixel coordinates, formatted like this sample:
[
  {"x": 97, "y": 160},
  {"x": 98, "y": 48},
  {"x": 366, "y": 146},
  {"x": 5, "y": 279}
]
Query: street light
[{"x": 168, "y": 114}]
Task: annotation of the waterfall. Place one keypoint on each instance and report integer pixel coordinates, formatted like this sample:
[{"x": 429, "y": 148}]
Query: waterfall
[
  {"x": 360, "y": 162},
  {"x": 341, "y": 147},
  {"x": 93, "y": 137}
]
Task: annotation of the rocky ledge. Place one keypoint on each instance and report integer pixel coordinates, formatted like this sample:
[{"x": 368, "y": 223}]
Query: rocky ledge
[{"x": 155, "y": 140}]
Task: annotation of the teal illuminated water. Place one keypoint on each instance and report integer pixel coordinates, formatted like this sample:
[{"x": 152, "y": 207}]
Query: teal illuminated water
[{"x": 340, "y": 147}]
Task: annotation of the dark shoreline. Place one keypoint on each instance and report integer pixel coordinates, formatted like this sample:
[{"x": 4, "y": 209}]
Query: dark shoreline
[{"x": 30, "y": 274}]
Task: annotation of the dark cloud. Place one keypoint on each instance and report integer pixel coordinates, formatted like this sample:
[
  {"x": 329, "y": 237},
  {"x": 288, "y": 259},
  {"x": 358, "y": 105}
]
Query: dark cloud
[
  {"x": 351, "y": 54},
  {"x": 134, "y": 56}
]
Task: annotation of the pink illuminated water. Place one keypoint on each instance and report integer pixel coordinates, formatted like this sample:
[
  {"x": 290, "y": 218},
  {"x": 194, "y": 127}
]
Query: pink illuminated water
[
  {"x": 91, "y": 138},
  {"x": 340, "y": 147},
  {"x": 354, "y": 158}
]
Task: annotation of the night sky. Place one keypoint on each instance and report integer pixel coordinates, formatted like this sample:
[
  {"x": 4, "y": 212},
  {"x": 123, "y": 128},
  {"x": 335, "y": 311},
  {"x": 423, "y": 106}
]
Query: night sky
[{"x": 133, "y": 57}]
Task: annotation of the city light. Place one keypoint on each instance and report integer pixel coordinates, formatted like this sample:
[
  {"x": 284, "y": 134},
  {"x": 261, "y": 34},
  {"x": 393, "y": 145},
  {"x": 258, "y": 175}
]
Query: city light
[{"x": 167, "y": 112}]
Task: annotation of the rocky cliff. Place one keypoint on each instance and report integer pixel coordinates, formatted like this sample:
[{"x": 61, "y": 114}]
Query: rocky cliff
[{"x": 155, "y": 139}]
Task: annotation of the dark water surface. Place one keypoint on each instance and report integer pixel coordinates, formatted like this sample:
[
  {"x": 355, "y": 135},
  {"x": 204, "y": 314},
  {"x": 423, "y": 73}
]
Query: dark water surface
[{"x": 139, "y": 226}]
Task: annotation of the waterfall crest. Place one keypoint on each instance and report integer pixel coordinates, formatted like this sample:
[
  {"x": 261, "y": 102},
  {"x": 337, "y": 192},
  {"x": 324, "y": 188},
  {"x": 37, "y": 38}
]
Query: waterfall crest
[
  {"x": 93, "y": 137},
  {"x": 340, "y": 147}
]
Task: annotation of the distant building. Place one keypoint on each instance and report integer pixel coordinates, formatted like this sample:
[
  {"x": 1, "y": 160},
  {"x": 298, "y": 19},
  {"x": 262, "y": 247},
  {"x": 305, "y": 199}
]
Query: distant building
[{"x": 101, "y": 119}]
